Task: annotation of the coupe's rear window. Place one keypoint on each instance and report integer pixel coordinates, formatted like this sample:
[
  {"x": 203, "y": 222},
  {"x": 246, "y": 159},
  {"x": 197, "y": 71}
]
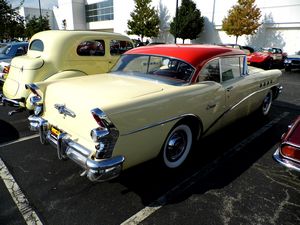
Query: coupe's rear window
[
  {"x": 37, "y": 45},
  {"x": 159, "y": 68}
]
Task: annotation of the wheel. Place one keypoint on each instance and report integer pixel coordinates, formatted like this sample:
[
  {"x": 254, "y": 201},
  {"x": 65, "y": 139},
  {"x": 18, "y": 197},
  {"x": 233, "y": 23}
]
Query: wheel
[
  {"x": 266, "y": 105},
  {"x": 177, "y": 146},
  {"x": 269, "y": 64}
]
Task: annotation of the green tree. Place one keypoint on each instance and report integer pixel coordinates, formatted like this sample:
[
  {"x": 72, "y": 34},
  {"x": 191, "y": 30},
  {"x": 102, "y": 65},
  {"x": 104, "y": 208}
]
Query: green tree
[
  {"x": 12, "y": 24},
  {"x": 144, "y": 20},
  {"x": 243, "y": 18},
  {"x": 189, "y": 23},
  {"x": 36, "y": 24}
]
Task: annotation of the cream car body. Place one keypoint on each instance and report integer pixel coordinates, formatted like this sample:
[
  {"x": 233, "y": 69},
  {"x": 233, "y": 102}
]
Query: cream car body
[
  {"x": 137, "y": 116},
  {"x": 55, "y": 55}
]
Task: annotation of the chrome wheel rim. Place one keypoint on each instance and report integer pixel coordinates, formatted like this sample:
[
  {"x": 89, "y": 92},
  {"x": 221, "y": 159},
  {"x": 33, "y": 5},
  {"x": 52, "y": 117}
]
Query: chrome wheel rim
[
  {"x": 267, "y": 104},
  {"x": 176, "y": 145}
]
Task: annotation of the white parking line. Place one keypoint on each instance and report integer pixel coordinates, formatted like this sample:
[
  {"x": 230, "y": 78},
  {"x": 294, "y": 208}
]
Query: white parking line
[
  {"x": 19, "y": 140},
  {"x": 185, "y": 184},
  {"x": 19, "y": 198}
]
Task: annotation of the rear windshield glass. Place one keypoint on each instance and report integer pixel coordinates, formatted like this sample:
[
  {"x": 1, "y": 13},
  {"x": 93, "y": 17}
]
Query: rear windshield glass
[
  {"x": 37, "y": 45},
  {"x": 158, "y": 68}
]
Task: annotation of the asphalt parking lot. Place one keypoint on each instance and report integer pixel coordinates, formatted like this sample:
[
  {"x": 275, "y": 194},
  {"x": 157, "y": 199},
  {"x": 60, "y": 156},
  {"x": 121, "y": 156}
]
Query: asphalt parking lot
[{"x": 230, "y": 178}]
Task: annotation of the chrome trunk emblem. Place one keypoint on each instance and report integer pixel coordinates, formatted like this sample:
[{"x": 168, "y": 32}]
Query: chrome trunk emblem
[{"x": 62, "y": 109}]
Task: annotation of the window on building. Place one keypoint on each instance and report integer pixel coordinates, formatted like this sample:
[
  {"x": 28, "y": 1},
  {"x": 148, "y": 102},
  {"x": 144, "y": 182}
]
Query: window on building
[
  {"x": 91, "y": 48},
  {"x": 119, "y": 47},
  {"x": 100, "y": 11}
]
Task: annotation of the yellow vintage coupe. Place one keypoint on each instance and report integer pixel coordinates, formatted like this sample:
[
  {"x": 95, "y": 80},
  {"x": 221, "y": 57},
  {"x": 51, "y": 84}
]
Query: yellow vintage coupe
[
  {"x": 156, "y": 102},
  {"x": 55, "y": 55}
]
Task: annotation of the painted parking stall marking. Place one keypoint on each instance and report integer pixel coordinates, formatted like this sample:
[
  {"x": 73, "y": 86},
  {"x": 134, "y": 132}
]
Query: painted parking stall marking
[
  {"x": 19, "y": 198},
  {"x": 185, "y": 184},
  {"x": 20, "y": 140}
]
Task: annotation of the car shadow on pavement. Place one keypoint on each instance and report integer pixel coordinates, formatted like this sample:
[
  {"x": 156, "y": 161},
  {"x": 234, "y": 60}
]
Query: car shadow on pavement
[
  {"x": 206, "y": 165},
  {"x": 7, "y": 132}
]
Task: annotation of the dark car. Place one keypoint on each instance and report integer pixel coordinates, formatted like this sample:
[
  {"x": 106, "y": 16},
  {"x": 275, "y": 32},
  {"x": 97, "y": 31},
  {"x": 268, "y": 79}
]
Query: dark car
[
  {"x": 292, "y": 62},
  {"x": 11, "y": 50},
  {"x": 288, "y": 153}
]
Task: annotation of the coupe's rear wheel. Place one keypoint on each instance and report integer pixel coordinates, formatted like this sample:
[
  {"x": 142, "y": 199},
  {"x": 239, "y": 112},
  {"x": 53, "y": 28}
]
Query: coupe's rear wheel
[
  {"x": 267, "y": 102},
  {"x": 177, "y": 146}
]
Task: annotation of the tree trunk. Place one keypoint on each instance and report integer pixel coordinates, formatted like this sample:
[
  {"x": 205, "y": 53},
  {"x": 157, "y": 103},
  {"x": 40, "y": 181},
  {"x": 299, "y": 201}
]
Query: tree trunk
[
  {"x": 183, "y": 41},
  {"x": 236, "y": 39}
]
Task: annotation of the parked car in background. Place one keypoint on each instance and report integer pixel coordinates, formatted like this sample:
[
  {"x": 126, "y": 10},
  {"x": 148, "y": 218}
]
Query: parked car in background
[
  {"x": 288, "y": 153},
  {"x": 56, "y": 54},
  {"x": 247, "y": 49},
  {"x": 292, "y": 62},
  {"x": 156, "y": 102},
  {"x": 4, "y": 69},
  {"x": 11, "y": 50},
  {"x": 267, "y": 58}
]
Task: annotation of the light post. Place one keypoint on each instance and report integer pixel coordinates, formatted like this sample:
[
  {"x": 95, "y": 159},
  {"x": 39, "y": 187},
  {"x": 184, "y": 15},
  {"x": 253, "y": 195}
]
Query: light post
[
  {"x": 40, "y": 9},
  {"x": 176, "y": 21}
]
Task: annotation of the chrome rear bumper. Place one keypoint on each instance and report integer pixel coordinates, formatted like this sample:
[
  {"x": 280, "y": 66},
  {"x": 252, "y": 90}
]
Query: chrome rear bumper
[
  {"x": 19, "y": 103},
  {"x": 95, "y": 169},
  {"x": 285, "y": 162}
]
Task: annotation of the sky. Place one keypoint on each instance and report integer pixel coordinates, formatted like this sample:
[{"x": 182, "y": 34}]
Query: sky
[{"x": 45, "y": 4}]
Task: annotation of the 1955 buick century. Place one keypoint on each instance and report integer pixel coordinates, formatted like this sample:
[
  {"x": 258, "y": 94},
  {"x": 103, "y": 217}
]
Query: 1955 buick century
[{"x": 156, "y": 102}]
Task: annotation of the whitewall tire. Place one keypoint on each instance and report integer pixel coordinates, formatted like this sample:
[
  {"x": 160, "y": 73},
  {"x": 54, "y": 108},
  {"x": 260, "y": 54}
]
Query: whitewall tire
[{"x": 177, "y": 146}]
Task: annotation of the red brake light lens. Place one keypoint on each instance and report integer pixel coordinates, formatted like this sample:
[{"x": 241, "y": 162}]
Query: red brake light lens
[
  {"x": 6, "y": 69},
  {"x": 291, "y": 152},
  {"x": 98, "y": 120}
]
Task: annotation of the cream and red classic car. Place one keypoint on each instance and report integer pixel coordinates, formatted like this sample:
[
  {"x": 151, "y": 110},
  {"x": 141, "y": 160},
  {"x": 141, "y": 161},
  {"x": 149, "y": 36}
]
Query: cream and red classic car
[
  {"x": 156, "y": 102},
  {"x": 57, "y": 54},
  {"x": 288, "y": 153}
]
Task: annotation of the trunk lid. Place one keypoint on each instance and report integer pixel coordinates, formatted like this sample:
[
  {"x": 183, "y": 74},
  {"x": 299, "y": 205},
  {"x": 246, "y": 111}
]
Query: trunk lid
[
  {"x": 80, "y": 95},
  {"x": 20, "y": 73}
]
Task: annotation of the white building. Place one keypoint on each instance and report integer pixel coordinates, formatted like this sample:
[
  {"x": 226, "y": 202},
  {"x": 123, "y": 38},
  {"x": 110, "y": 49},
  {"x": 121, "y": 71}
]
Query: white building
[
  {"x": 28, "y": 13},
  {"x": 280, "y": 20}
]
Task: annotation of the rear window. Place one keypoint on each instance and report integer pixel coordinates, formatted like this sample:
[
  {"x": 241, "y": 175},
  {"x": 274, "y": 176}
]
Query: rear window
[
  {"x": 37, "y": 45},
  {"x": 91, "y": 48},
  {"x": 119, "y": 47}
]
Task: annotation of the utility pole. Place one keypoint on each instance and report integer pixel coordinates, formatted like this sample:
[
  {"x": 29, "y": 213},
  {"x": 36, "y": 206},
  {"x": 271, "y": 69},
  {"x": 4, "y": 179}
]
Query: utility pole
[
  {"x": 176, "y": 21},
  {"x": 40, "y": 9}
]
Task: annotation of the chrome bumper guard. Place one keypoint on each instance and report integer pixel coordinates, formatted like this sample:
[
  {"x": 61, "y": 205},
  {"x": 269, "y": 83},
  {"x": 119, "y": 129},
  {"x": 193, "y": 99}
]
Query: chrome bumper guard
[
  {"x": 278, "y": 91},
  {"x": 95, "y": 169},
  {"x": 18, "y": 102},
  {"x": 285, "y": 162}
]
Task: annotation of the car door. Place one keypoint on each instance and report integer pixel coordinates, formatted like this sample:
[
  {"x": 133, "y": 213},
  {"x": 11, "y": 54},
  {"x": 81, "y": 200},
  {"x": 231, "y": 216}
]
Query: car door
[{"x": 236, "y": 88}]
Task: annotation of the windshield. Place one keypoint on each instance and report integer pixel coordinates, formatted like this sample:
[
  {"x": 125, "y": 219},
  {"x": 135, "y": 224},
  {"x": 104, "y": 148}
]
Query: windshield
[
  {"x": 158, "y": 68},
  {"x": 5, "y": 50}
]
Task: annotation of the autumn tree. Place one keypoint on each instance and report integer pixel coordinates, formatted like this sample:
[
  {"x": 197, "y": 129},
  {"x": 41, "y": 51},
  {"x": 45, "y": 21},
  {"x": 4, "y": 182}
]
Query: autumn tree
[
  {"x": 243, "y": 18},
  {"x": 189, "y": 23},
  {"x": 144, "y": 20}
]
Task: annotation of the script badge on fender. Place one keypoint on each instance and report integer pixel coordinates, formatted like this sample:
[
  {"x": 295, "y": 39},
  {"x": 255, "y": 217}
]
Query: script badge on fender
[{"x": 62, "y": 109}]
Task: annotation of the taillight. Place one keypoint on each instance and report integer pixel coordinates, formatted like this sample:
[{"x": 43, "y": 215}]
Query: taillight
[
  {"x": 33, "y": 88},
  {"x": 98, "y": 119},
  {"x": 6, "y": 69},
  {"x": 291, "y": 152}
]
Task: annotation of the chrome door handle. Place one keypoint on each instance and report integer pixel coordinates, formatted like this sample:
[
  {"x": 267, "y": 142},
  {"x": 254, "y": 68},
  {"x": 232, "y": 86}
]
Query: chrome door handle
[
  {"x": 229, "y": 88},
  {"x": 210, "y": 106}
]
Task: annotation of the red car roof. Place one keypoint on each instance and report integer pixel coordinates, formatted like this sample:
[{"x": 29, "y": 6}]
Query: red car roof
[{"x": 192, "y": 54}]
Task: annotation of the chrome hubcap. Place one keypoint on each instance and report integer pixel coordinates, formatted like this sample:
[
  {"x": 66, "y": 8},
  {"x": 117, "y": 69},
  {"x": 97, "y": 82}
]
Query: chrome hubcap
[
  {"x": 267, "y": 103},
  {"x": 176, "y": 146}
]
